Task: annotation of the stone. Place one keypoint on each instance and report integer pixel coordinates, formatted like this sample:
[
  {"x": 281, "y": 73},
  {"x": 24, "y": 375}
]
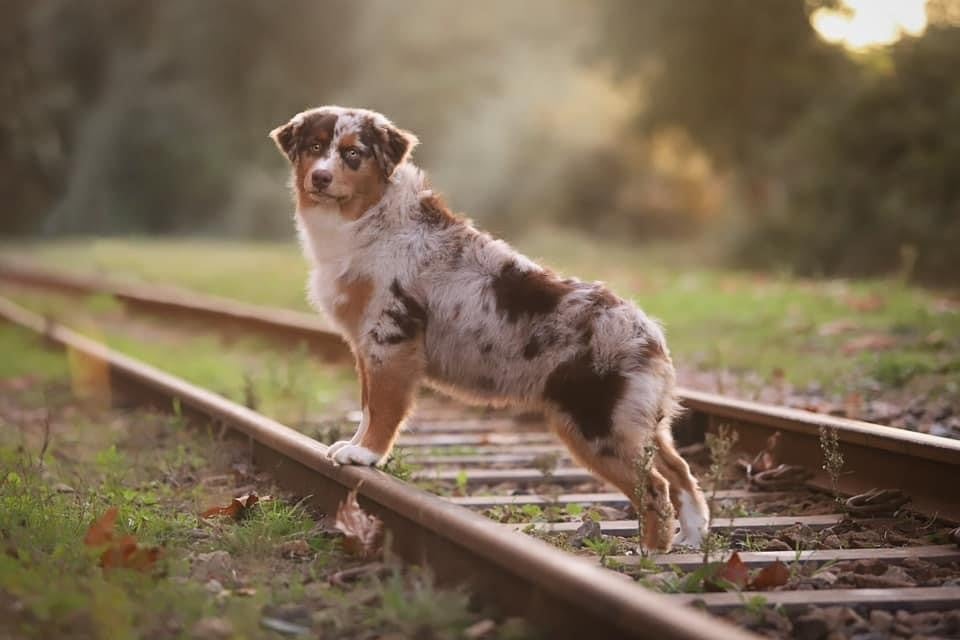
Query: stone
[
  {"x": 213, "y": 586},
  {"x": 480, "y": 629},
  {"x": 881, "y": 620},
  {"x": 831, "y": 541},
  {"x": 211, "y": 629},
  {"x": 776, "y": 545},
  {"x": 214, "y": 565},
  {"x": 810, "y": 627},
  {"x": 589, "y": 530},
  {"x": 295, "y": 549}
]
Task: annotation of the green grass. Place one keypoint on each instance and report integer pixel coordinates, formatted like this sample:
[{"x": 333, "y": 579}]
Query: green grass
[
  {"x": 23, "y": 355},
  {"x": 716, "y": 318},
  {"x": 290, "y": 386},
  {"x": 63, "y": 464}
]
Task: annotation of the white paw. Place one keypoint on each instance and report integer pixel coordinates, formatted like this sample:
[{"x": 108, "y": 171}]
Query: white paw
[
  {"x": 692, "y": 538},
  {"x": 336, "y": 446},
  {"x": 355, "y": 454}
]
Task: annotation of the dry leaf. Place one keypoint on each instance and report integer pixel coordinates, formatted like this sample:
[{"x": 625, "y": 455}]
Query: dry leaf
[
  {"x": 124, "y": 552},
  {"x": 836, "y": 327},
  {"x": 766, "y": 459},
  {"x": 238, "y": 507},
  {"x": 101, "y": 531},
  {"x": 869, "y": 342},
  {"x": 866, "y": 304},
  {"x": 734, "y": 573},
  {"x": 362, "y": 532},
  {"x": 774, "y": 575}
]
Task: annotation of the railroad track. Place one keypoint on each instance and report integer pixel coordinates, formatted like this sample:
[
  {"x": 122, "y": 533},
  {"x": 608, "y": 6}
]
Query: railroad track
[{"x": 508, "y": 469}]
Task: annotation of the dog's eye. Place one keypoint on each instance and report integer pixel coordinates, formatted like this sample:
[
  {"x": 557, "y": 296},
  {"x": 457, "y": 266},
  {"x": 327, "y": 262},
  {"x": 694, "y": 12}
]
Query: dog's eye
[
  {"x": 316, "y": 147},
  {"x": 351, "y": 154}
]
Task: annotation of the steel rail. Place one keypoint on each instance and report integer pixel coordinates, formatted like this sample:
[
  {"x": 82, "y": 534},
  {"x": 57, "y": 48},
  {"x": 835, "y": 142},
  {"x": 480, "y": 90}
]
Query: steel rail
[
  {"x": 569, "y": 596},
  {"x": 876, "y": 456}
]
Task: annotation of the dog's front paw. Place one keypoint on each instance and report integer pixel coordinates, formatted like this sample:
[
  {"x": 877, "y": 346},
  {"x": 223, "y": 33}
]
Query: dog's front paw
[
  {"x": 355, "y": 454},
  {"x": 336, "y": 446}
]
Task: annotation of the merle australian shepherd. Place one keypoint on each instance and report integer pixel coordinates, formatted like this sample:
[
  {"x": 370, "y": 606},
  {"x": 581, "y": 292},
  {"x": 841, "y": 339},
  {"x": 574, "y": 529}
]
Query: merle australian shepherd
[{"x": 425, "y": 298}]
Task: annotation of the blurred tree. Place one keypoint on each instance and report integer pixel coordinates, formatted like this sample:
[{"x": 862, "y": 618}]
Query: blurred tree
[
  {"x": 732, "y": 74},
  {"x": 840, "y": 163},
  {"x": 130, "y": 115},
  {"x": 869, "y": 181}
]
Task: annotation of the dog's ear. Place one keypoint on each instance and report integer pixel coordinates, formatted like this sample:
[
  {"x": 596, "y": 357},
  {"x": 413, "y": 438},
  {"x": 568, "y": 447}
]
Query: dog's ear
[
  {"x": 391, "y": 147},
  {"x": 285, "y": 137}
]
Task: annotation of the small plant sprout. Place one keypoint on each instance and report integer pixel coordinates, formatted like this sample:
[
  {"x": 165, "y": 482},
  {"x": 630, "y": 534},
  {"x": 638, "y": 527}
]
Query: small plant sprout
[
  {"x": 644, "y": 464},
  {"x": 462, "y": 480},
  {"x": 250, "y": 399},
  {"x": 546, "y": 464},
  {"x": 832, "y": 459},
  {"x": 603, "y": 547},
  {"x": 399, "y": 466},
  {"x": 720, "y": 445}
]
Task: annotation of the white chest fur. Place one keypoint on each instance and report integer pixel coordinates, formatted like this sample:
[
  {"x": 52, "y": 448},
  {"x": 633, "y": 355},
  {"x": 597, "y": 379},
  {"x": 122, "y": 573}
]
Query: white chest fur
[{"x": 326, "y": 241}]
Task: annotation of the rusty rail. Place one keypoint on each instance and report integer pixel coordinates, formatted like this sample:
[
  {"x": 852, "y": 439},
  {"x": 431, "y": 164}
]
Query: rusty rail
[
  {"x": 569, "y": 596},
  {"x": 876, "y": 456}
]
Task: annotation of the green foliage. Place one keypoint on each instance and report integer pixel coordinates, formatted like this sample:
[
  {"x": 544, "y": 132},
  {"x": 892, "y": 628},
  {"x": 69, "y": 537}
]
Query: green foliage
[
  {"x": 603, "y": 546},
  {"x": 733, "y": 105},
  {"x": 268, "y": 524},
  {"x": 866, "y": 177},
  {"x": 398, "y": 466},
  {"x": 24, "y": 355}
]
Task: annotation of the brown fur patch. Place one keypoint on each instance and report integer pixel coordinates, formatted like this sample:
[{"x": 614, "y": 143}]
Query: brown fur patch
[
  {"x": 368, "y": 187},
  {"x": 352, "y": 298},
  {"x": 408, "y": 318},
  {"x": 585, "y": 395},
  {"x": 435, "y": 213},
  {"x": 390, "y": 397},
  {"x": 316, "y": 129},
  {"x": 533, "y": 292}
]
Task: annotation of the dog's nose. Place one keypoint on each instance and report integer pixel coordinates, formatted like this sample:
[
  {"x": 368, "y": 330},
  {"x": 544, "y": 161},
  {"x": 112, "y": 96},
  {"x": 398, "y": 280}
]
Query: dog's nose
[{"x": 321, "y": 178}]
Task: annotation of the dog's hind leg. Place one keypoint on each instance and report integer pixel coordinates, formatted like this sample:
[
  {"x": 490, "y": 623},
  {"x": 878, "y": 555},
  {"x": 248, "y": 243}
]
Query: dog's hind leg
[
  {"x": 685, "y": 493},
  {"x": 616, "y": 462}
]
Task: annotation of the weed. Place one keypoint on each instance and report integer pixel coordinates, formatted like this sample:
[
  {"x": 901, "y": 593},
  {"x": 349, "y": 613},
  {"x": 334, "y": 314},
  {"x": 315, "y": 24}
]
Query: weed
[
  {"x": 754, "y": 605},
  {"x": 461, "y": 483},
  {"x": 546, "y": 463},
  {"x": 720, "y": 445},
  {"x": 398, "y": 465},
  {"x": 643, "y": 465},
  {"x": 268, "y": 524},
  {"x": 603, "y": 546},
  {"x": 832, "y": 459}
]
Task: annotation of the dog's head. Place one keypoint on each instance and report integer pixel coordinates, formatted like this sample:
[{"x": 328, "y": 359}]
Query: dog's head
[{"x": 342, "y": 157}]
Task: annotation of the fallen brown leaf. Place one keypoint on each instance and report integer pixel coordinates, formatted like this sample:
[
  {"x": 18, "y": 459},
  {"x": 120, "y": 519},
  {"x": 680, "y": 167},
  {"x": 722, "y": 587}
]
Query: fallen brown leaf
[
  {"x": 774, "y": 575},
  {"x": 238, "y": 507},
  {"x": 124, "y": 552},
  {"x": 362, "y": 532},
  {"x": 867, "y": 303},
  {"x": 733, "y": 573},
  {"x": 766, "y": 459},
  {"x": 869, "y": 342},
  {"x": 836, "y": 327}
]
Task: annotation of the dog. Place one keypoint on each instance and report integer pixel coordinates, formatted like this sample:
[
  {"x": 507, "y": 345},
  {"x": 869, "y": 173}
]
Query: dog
[{"x": 423, "y": 297}]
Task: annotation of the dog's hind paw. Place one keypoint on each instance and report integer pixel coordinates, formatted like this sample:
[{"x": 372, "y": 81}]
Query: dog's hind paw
[
  {"x": 355, "y": 454},
  {"x": 689, "y": 539}
]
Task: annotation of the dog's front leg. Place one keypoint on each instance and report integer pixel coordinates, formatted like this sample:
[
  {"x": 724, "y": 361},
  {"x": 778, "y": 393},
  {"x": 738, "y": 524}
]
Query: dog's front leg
[
  {"x": 390, "y": 381},
  {"x": 365, "y": 412}
]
